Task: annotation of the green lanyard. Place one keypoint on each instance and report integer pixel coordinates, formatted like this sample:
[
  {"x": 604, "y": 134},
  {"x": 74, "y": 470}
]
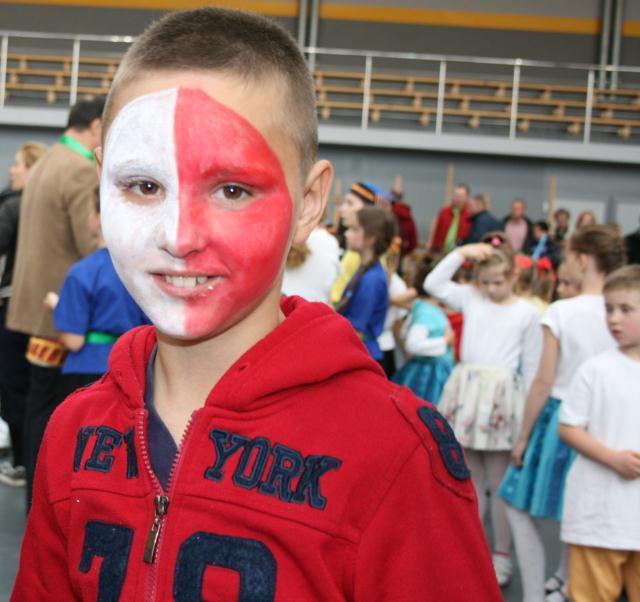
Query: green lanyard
[
  {"x": 452, "y": 232},
  {"x": 75, "y": 146},
  {"x": 98, "y": 338}
]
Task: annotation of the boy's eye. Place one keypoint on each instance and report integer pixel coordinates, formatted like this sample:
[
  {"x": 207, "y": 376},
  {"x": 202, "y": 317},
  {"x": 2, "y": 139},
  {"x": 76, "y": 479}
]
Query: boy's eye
[
  {"x": 144, "y": 188},
  {"x": 232, "y": 192}
]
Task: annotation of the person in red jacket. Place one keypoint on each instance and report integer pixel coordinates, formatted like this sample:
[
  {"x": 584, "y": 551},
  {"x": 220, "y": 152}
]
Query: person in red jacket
[
  {"x": 244, "y": 447},
  {"x": 453, "y": 222},
  {"x": 406, "y": 223}
]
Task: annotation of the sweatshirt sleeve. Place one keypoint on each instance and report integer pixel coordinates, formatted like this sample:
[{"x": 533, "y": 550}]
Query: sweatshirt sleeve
[
  {"x": 418, "y": 342},
  {"x": 438, "y": 283},
  {"x": 43, "y": 574},
  {"x": 425, "y": 542}
]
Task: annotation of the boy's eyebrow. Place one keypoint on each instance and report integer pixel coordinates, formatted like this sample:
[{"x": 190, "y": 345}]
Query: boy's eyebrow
[
  {"x": 259, "y": 175},
  {"x": 256, "y": 173},
  {"x": 136, "y": 164}
]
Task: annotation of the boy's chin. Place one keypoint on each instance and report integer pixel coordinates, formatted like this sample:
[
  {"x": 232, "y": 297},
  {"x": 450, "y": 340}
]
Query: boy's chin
[
  {"x": 182, "y": 339},
  {"x": 179, "y": 337}
]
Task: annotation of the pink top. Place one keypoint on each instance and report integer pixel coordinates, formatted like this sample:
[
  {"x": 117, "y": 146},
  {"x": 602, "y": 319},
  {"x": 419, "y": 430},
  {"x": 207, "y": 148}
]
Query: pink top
[{"x": 516, "y": 234}]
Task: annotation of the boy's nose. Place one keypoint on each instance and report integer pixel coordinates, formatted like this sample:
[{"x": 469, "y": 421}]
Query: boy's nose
[
  {"x": 187, "y": 240},
  {"x": 176, "y": 233},
  {"x": 614, "y": 316}
]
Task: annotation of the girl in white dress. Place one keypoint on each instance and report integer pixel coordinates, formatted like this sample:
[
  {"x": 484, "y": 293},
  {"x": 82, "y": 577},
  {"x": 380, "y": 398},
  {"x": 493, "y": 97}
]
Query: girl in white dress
[{"x": 483, "y": 399}]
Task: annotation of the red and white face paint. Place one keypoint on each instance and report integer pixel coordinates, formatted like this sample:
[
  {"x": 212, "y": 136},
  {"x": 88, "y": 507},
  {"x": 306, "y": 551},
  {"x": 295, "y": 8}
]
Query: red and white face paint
[{"x": 196, "y": 211}]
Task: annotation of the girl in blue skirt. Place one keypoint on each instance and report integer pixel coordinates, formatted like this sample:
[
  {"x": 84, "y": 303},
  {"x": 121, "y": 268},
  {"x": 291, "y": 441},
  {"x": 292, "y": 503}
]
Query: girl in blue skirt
[
  {"x": 428, "y": 343},
  {"x": 574, "y": 330}
]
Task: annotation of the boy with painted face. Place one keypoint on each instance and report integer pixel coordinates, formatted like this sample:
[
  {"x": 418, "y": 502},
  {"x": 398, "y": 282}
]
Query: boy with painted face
[{"x": 243, "y": 448}]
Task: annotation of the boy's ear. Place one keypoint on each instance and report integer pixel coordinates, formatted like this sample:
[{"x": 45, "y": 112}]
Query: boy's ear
[
  {"x": 97, "y": 153},
  {"x": 314, "y": 199},
  {"x": 584, "y": 260}
]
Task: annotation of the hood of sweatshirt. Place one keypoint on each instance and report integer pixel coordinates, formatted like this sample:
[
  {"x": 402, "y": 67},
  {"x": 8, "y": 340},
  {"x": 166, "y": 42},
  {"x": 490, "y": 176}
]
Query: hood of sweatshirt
[{"x": 312, "y": 345}]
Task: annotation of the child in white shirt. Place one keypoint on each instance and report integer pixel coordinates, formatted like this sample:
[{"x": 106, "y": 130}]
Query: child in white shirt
[
  {"x": 574, "y": 330},
  {"x": 484, "y": 398},
  {"x": 600, "y": 419}
]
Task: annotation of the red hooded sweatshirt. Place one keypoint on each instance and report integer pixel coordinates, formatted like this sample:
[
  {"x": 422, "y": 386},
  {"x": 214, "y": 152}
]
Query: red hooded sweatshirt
[{"x": 305, "y": 476}]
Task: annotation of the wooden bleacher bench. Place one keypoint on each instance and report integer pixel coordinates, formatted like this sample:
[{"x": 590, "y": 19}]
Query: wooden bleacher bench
[
  {"x": 24, "y": 59},
  {"x": 563, "y": 104},
  {"x": 413, "y": 95}
]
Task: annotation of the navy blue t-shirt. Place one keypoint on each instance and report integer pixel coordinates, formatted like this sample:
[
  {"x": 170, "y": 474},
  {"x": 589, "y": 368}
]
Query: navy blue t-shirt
[
  {"x": 162, "y": 447},
  {"x": 367, "y": 307},
  {"x": 93, "y": 299}
]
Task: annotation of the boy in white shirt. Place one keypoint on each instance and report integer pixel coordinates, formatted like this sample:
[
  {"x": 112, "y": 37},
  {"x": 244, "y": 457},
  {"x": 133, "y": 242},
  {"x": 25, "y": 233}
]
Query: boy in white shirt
[{"x": 600, "y": 418}]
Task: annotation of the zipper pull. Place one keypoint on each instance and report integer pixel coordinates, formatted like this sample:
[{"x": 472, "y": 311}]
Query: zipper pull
[{"x": 161, "y": 503}]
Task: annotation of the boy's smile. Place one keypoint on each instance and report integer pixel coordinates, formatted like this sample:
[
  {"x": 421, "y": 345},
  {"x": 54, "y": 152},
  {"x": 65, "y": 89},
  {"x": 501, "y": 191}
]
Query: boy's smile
[{"x": 196, "y": 208}]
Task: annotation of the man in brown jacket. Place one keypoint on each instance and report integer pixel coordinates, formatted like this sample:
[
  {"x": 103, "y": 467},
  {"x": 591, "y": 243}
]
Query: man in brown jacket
[{"x": 53, "y": 234}]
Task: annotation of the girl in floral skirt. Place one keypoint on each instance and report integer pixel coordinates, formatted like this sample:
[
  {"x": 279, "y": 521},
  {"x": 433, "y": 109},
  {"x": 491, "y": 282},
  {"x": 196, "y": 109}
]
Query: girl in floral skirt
[{"x": 484, "y": 398}]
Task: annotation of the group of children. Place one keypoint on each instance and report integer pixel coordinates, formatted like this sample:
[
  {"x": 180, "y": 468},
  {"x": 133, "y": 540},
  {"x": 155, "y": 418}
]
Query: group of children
[
  {"x": 536, "y": 383},
  {"x": 514, "y": 400},
  {"x": 310, "y": 475}
]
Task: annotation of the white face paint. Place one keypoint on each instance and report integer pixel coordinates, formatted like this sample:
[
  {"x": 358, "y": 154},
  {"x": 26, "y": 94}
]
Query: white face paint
[
  {"x": 138, "y": 230},
  {"x": 195, "y": 209}
]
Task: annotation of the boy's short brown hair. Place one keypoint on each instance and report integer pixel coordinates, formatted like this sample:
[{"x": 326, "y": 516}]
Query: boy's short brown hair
[
  {"x": 243, "y": 44},
  {"x": 627, "y": 278}
]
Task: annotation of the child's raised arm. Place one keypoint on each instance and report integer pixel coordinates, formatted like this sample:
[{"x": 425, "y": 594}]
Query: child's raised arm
[{"x": 439, "y": 284}]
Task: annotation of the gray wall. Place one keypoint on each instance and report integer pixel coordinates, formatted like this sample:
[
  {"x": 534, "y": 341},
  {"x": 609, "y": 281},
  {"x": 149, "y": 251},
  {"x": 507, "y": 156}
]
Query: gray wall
[
  {"x": 461, "y": 41},
  {"x": 11, "y": 138},
  {"x": 371, "y": 35},
  {"x": 86, "y": 19},
  {"x": 425, "y": 174}
]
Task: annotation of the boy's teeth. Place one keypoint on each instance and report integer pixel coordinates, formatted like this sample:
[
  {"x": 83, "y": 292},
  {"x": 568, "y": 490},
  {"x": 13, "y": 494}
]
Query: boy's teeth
[{"x": 185, "y": 281}]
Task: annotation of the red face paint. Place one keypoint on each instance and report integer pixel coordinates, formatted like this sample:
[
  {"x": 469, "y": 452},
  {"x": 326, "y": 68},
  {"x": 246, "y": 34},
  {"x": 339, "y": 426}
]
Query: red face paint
[{"x": 240, "y": 241}]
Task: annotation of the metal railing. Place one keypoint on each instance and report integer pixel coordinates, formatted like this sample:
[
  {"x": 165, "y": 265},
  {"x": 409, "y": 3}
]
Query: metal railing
[
  {"x": 588, "y": 72},
  {"x": 407, "y": 61},
  {"x": 76, "y": 41}
]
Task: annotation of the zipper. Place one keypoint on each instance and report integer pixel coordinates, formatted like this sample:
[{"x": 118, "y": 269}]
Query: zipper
[{"x": 161, "y": 501}]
